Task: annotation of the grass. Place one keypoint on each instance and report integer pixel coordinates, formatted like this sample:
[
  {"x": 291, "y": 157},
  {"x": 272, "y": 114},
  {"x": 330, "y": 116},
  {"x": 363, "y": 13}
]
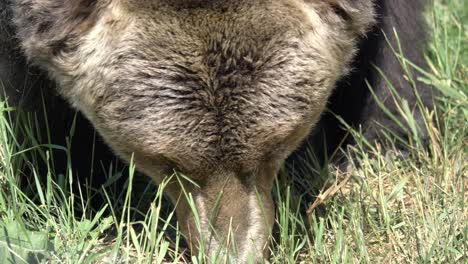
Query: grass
[{"x": 386, "y": 210}]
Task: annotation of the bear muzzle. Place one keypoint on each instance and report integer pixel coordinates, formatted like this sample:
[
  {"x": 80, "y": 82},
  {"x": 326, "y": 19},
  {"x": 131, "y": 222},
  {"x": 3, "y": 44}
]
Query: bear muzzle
[{"x": 227, "y": 217}]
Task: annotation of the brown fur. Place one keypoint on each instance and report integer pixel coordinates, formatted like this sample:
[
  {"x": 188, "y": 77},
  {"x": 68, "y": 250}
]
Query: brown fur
[{"x": 221, "y": 91}]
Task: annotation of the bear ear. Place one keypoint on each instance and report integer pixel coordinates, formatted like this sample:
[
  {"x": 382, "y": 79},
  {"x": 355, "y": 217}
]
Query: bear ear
[
  {"x": 53, "y": 16},
  {"x": 49, "y": 27},
  {"x": 359, "y": 14}
]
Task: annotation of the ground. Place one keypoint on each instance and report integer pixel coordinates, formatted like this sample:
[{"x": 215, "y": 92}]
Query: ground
[{"x": 388, "y": 207}]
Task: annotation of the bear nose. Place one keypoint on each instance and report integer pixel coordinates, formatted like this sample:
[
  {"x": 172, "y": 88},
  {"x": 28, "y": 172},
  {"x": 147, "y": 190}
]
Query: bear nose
[{"x": 226, "y": 218}]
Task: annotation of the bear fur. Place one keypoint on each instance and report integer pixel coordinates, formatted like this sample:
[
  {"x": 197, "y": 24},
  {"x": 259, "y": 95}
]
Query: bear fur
[{"x": 221, "y": 91}]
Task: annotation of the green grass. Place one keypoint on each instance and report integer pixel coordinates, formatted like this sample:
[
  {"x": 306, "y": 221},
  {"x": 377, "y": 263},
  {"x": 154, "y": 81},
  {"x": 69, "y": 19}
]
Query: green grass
[{"x": 390, "y": 210}]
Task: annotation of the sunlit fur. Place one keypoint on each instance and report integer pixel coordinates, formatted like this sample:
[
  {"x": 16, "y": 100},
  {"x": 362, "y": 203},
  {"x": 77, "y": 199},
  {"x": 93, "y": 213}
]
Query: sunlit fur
[{"x": 220, "y": 91}]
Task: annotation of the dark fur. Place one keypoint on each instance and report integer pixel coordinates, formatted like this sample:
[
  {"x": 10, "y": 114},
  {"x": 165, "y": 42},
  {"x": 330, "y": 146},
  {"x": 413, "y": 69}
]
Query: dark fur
[{"x": 352, "y": 99}]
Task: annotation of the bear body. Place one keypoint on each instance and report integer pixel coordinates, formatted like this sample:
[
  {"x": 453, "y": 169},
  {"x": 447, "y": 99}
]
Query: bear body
[{"x": 221, "y": 91}]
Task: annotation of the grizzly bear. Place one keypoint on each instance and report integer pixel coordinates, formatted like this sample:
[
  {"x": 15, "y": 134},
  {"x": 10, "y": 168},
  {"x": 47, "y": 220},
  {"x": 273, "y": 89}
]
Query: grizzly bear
[{"x": 219, "y": 91}]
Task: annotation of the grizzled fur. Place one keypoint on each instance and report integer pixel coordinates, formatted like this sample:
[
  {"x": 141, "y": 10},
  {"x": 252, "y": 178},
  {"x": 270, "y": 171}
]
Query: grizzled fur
[
  {"x": 222, "y": 91},
  {"x": 30, "y": 88},
  {"x": 352, "y": 99}
]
